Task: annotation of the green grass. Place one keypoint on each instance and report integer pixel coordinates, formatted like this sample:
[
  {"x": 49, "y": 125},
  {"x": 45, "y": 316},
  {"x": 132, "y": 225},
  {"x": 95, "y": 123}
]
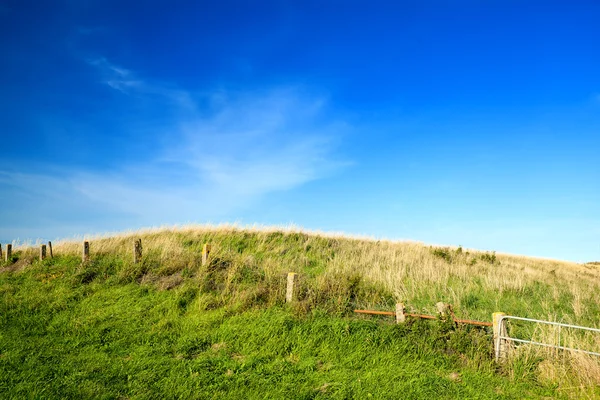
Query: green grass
[
  {"x": 126, "y": 340},
  {"x": 172, "y": 328}
]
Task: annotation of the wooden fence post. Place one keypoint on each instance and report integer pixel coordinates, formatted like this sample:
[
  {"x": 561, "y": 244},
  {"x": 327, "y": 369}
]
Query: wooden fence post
[
  {"x": 205, "y": 253},
  {"x": 50, "y": 249},
  {"x": 499, "y": 327},
  {"x": 137, "y": 251},
  {"x": 291, "y": 283},
  {"x": 42, "y": 252},
  {"x": 85, "y": 255},
  {"x": 8, "y": 252},
  {"x": 400, "y": 317},
  {"x": 0, "y": 251},
  {"x": 442, "y": 309}
]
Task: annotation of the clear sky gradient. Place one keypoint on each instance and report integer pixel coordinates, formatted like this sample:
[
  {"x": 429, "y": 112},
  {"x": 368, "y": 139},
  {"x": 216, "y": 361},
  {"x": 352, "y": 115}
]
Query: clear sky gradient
[{"x": 473, "y": 123}]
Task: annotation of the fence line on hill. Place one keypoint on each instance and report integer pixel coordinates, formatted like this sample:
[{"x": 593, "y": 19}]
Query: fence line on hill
[
  {"x": 46, "y": 250},
  {"x": 502, "y": 340}
]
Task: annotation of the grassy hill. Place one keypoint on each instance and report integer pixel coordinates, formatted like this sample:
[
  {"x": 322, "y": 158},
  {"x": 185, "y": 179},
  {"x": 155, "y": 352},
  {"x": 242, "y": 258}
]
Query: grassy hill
[{"x": 170, "y": 327}]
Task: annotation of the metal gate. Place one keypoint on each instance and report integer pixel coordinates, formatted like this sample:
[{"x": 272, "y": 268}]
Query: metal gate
[{"x": 502, "y": 335}]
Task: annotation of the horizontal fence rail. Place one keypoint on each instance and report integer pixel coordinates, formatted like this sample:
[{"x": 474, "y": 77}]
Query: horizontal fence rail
[
  {"x": 504, "y": 336},
  {"x": 423, "y": 316}
]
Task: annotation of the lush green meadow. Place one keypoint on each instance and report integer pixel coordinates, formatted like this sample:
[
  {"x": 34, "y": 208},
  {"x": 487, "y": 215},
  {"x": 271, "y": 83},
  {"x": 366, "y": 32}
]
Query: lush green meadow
[{"x": 170, "y": 327}]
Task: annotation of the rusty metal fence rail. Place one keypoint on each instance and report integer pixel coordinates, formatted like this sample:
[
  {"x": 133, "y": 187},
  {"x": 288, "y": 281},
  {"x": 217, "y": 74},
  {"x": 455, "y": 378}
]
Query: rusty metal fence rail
[
  {"x": 501, "y": 338},
  {"x": 423, "y": 316}
]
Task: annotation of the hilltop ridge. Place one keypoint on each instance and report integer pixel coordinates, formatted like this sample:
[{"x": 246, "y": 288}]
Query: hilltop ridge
[{"x": 477, "y": 283}]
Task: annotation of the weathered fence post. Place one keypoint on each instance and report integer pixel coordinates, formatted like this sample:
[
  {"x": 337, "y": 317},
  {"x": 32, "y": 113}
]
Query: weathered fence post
[
  {"x": 205, "y": 253},
  {"x": 291, "y": 283},
  {"x": 50, "y": 249},
  {"x": 85, "y": 255},
  {"x": 8, "y": 252},
  {"x": 42, "y": 252},
  {"x": 499, "y": 327},
  {"x": 442, "y": 309},
  {"x": 400, "y": 317},
  {"x": 0, "y": 251},
  {"x": 137, "y": 251}
]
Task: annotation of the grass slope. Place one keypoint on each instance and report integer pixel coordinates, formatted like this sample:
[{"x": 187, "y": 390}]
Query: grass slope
[{"x": 172, "y": 328}]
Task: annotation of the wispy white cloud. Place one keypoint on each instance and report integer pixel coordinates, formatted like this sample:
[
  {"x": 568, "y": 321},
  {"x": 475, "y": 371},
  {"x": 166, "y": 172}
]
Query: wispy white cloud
[
  {"x": 128, "y": 82},
  {"x": 213, "y": 160},
  {"x": 116, "y": 77},
  {"x": 256, "y": 143},
  {"x": 48, "y": 204}
]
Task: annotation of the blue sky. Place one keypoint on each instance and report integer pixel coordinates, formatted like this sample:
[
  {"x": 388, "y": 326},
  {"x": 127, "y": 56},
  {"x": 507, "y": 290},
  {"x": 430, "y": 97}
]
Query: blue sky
[{"x": 473, "y": 123}]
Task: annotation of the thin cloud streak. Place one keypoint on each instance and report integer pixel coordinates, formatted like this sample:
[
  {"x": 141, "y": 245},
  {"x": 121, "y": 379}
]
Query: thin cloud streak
[{"x": 127, "y": 82}]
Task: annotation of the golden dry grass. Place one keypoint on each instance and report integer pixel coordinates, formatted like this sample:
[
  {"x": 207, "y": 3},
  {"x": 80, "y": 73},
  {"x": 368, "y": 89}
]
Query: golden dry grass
[{"x": 407, "y": 269}]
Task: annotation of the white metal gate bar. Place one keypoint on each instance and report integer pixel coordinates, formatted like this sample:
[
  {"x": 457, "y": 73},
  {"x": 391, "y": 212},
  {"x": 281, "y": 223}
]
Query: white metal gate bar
[{"x": 559, "y": 324}]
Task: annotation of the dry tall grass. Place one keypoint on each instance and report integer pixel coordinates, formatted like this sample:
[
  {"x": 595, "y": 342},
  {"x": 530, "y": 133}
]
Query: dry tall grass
[{"x": 412, "y": 271}]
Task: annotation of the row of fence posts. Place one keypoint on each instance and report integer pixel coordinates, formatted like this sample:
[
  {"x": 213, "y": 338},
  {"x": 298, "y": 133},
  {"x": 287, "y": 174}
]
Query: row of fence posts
[
  {"x": 499, "y": 326},
  {"x": 46, "y": 251}
]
